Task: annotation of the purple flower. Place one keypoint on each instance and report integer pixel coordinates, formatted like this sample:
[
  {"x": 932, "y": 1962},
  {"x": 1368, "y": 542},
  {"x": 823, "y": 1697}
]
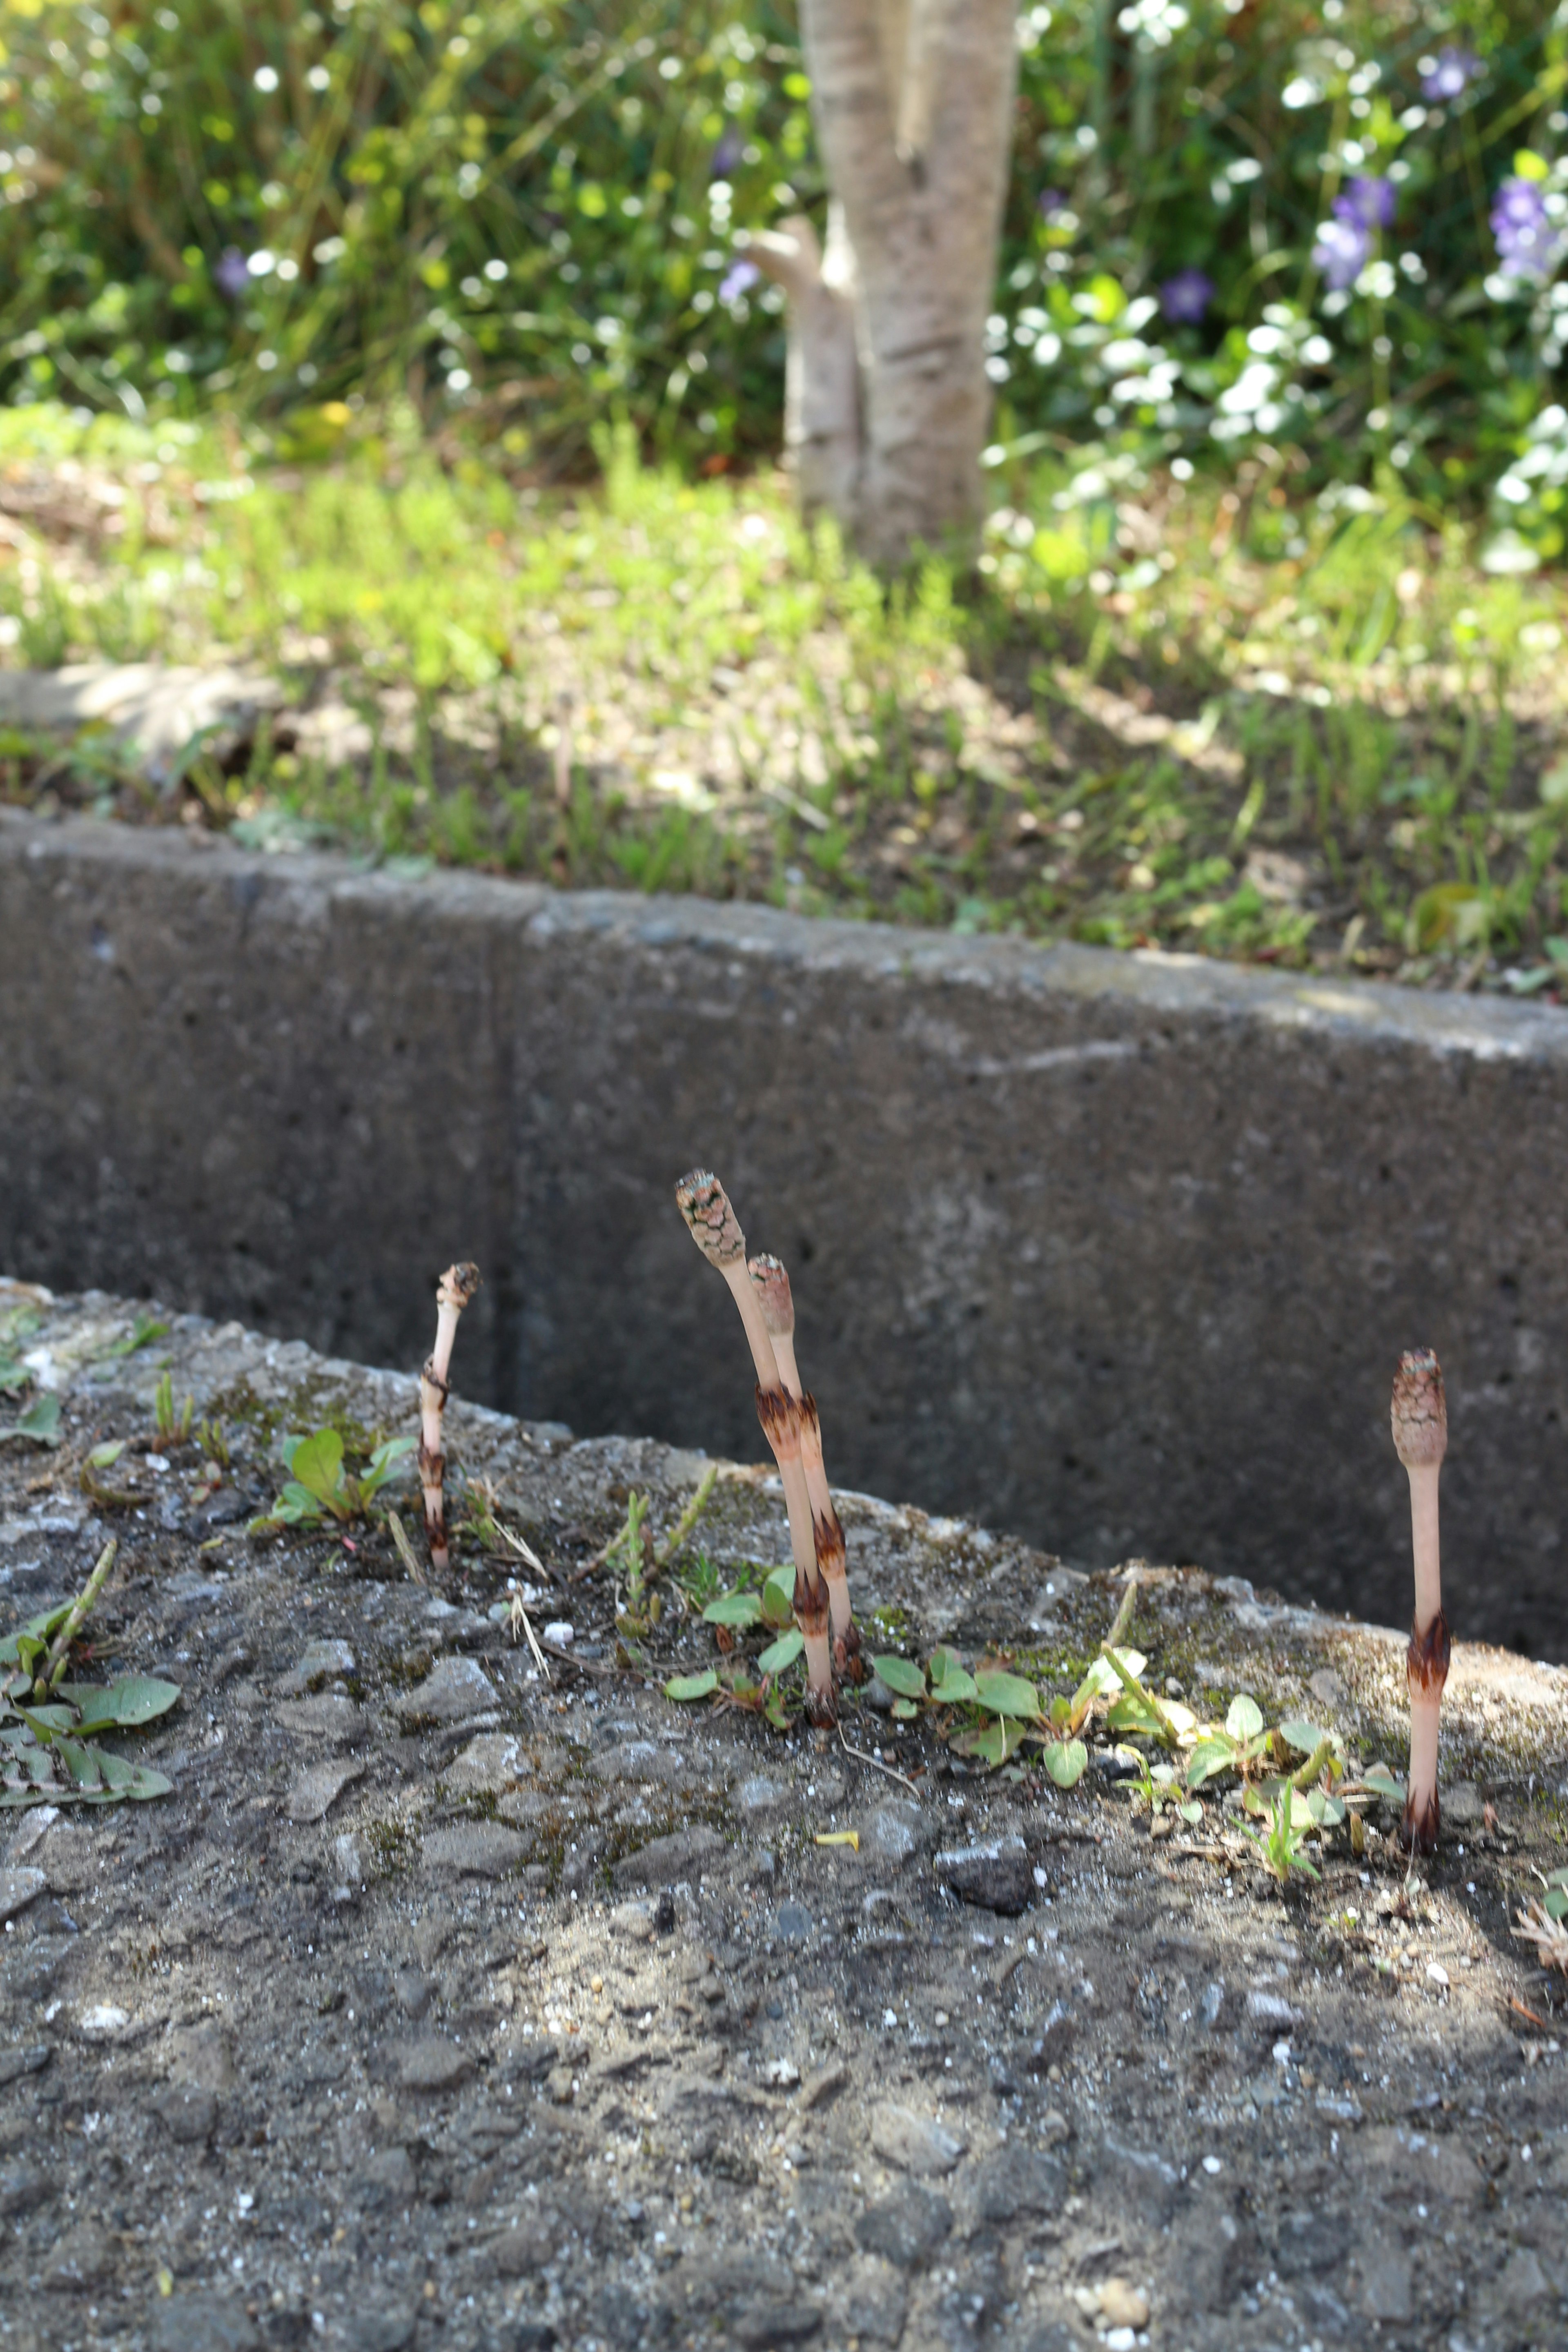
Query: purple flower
[
  {"x": 1367, "y": 203},
  {"x": 1185, "y": 296},
  {"x": 1342, "y": 251},
  {"x": 1527, "y": 245},
  {"x": 737, "y": 279},
  {"x": 1050, "y": 201},
  {"x": 231, "y": 272},
  {"x": 725, "y": 156},
  {"x": 1455, "y": 69}
]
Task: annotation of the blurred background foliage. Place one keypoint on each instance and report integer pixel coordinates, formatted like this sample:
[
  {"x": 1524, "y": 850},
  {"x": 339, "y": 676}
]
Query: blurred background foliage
[{"x": 1240, "y": 231}]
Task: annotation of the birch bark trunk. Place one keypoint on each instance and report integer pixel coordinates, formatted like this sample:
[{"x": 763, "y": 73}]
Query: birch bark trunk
[{"x": 913, "y": 106}]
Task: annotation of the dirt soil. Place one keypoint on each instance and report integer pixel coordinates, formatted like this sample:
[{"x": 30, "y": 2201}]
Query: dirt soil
[{"x": 445, "y": 2002}]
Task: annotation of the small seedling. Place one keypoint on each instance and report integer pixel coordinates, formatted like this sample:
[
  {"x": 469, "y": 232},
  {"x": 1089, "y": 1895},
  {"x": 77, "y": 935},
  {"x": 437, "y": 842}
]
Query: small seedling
[
  {"x": 630, "y": 1553},
  {"x": 143, "y": 1331},
  {"x": 212, "y": 1440},
  {"x": 1241, "y": 1745},
  {"x": 50, "y": 1725},
  {"x": 987, "y": 1715},
  {"x": 170, "y": 1428},
  {"x": 319, "y": 1487},
  {"x": 1157, "y": 1786},
  {"x": 1282, "y": 1847}
]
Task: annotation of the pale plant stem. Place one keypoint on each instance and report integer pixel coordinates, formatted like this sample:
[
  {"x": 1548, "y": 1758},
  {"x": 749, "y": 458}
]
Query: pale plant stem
[
  {"x": 1424, "y": 1478},
  {"x": 59, "y": 1648},
  {"x": 453, "y": 1292}
]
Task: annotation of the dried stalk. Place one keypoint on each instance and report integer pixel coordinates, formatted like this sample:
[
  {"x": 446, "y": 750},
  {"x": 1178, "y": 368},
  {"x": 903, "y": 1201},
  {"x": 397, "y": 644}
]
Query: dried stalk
[
  {"x": 453, "y": 1292},
  {"x": 1418, "y": 1414},
  {"x": 716, "y": 1230}
]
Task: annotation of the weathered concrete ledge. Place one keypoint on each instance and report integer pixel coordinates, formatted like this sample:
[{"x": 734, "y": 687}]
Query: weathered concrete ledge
[{"x": 1117, "y": 1252}]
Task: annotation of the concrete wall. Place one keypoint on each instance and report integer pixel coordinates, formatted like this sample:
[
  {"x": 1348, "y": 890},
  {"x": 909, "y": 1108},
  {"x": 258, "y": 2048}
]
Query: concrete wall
[{"x": 1117, "y": 1252}]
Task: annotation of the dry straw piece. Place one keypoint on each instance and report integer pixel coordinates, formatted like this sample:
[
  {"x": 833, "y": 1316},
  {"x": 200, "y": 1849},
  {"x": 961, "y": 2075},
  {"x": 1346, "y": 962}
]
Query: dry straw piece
[
  {"x": 1418, "y": 1414},
  {"x": 789, "y": 1423},
  {"x": 453, "y": 1292}
]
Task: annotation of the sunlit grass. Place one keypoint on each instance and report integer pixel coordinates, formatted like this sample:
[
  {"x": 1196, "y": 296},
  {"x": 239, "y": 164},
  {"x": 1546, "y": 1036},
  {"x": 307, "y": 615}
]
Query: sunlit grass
[{"x": 1165, "y": 715}]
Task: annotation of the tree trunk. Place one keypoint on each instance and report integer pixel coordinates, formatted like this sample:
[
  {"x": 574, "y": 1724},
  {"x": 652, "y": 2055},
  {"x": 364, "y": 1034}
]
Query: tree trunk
[{"x": 913, "y": 106}]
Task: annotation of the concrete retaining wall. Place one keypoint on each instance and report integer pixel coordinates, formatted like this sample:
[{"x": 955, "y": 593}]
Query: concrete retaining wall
[{"x": 1117, "y": 1252}]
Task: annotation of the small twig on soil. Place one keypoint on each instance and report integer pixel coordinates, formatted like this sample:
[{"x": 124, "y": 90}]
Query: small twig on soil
[
  {"x": 453, "y": 1292},
  {"x": 403, "y": 1549},
  {"x": 876, "y": 1763},
  {"x": 520, "y": 1612}
]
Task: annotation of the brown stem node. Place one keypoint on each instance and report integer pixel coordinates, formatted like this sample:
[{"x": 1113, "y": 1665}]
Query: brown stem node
[
  {"x": 1418, "y": 1830},
  {"x": 1427, "y": 1659}
]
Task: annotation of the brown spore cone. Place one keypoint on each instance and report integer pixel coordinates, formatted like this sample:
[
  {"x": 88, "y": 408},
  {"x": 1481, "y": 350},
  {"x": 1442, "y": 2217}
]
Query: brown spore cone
[
  {"x": 1418, "y": 1411},
  {"x": 705, "y": 1205}
]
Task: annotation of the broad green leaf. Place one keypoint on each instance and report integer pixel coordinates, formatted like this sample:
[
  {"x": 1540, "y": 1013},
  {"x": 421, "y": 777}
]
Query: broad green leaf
[
  {"x": 1555, "y": 1903},
  {"x": 48, "y": 1717},
  {"x": 135, "y": 1698},
  {"x": 123, "y": 1779},
  {"x": 40, "y": 1422},
  {"x": 778, "y": 1597},
  {"x": 381, "y": 1466},
  {"x": 14, "y": 1375},
  {"x": 991, "y": 1745},
  {"x": 1102, "y": 1678},
  {"x": 102, "y": 1456},
  {"x": 1262, "y": 1800},
  {"x": 82, "y": 1763},
  {"x": 1131, "y": 1713},
  {"x": 1008, "y": 1695},
  {"x": 1065, "y": 1760},
  {"x": 1326, "y": 1810},
  {"x": 1207, "y": 1758},
  {"x": 682, "y": 1688},
  {"x": 992, "y": 1742},
  {"x": 956, "y": 1686},
  {"x": 905, "y": 1709},
  {"x": 1245, "y": 1721},
  {"x": 1060, "y": 1712},
  {"x": 1301, "y": 1736},
  {"x": 1191, "y": 1810},
  {"x": 901, "y": 1675},
  {"x": 1382, "y": 1782},
  {"x": 781, "y": 1652},
  {"x": 1558, "y": 1878},
  {"x": 734, "y": 1609},
  {"x": 317, "y": 1465},
  {"x": 295, "y": 1507}
]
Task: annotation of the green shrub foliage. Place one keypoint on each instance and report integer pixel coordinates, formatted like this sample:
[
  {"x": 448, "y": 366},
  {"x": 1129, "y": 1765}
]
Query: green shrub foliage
[{"x": 1331, "y": 228}]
